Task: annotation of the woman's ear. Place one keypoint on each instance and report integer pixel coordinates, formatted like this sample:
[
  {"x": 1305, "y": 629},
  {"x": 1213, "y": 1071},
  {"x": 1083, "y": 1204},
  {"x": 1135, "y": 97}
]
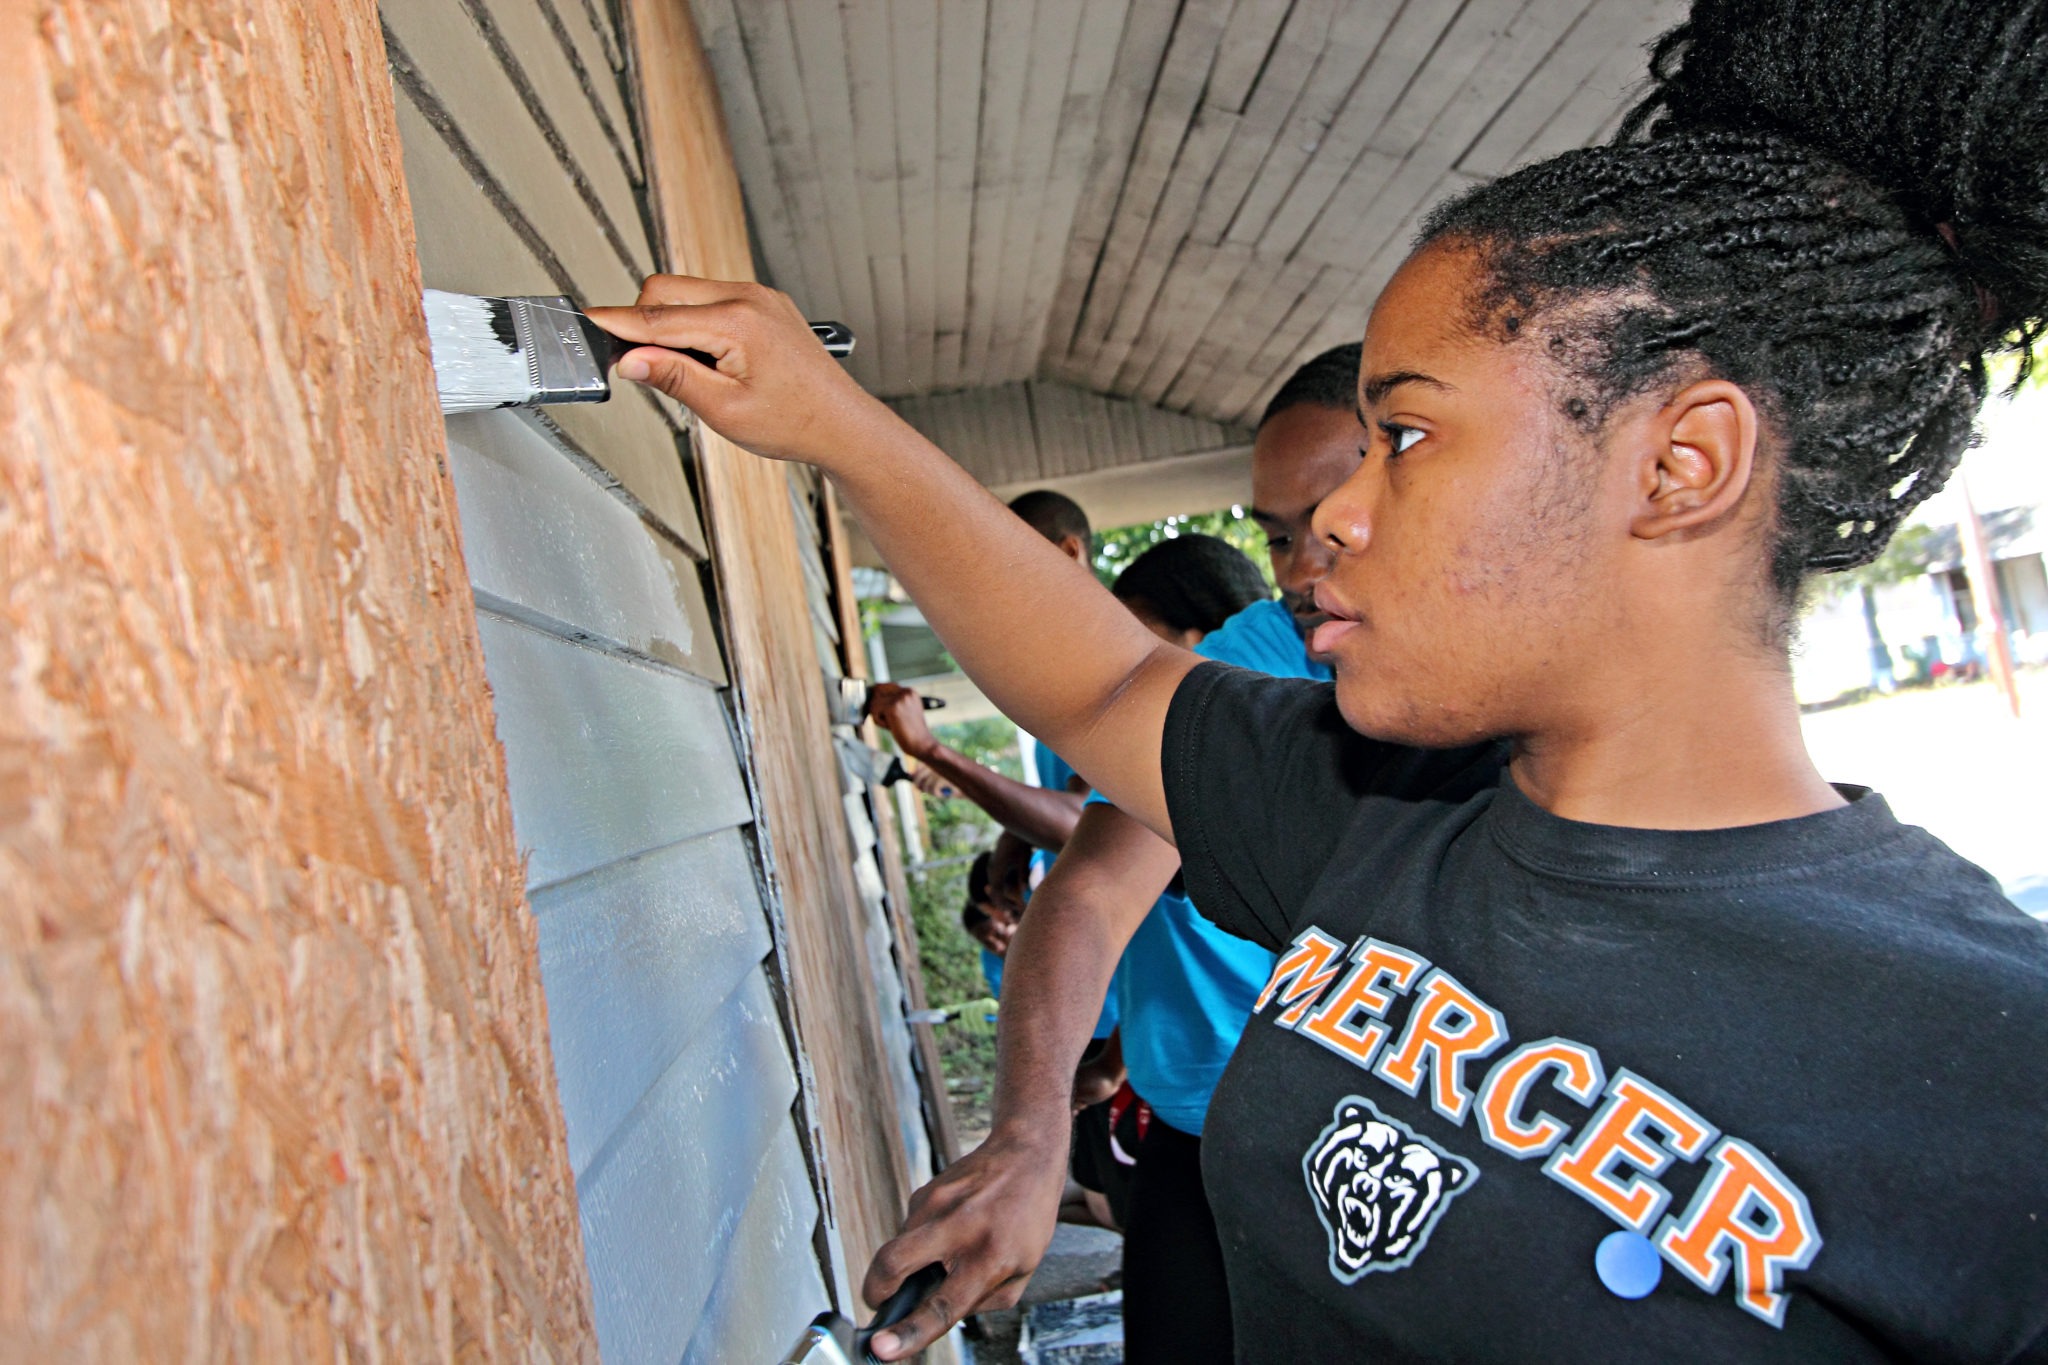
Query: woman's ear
[{"x": 1699, "y": 462}]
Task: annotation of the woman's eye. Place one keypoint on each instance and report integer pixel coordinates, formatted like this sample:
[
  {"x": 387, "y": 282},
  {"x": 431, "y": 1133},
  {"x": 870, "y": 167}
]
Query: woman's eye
[
  {"x": 1279, "y": 542},
  {"x": 1401, "y": 437}
]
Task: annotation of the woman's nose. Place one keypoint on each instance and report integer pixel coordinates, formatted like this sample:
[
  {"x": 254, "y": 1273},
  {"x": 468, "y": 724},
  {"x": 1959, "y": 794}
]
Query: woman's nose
[{"x": 1343, "y": 521}]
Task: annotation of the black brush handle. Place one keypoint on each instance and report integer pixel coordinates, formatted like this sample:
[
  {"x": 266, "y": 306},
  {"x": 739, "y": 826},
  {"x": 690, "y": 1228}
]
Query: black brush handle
[
  {"x": 837, "y": 338},
  {"x": 907, "y": 1297}
]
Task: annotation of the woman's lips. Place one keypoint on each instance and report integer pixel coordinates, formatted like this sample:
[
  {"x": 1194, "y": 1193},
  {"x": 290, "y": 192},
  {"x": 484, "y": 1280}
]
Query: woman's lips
[{"x": 1324, "y": 639}]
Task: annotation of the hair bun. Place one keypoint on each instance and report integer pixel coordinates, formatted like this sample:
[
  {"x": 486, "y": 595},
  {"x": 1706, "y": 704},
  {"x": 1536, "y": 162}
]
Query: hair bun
[{"x": 1941, "y": 103}]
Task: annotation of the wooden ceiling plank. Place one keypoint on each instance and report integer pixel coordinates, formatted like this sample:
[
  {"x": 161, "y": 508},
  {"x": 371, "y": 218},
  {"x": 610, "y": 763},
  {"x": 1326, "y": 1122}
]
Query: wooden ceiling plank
[
  {"x": 871, "y": 89},
  {"x": 1601, "y": 27},
  {"x": 1005, "y": 75},
  {"x": 1303, "y": 289},
  {"x": 1175, "y": 98},
  {"x": 1402, "y": 53},
  {"x": 1339, "y": 235},
  {"x": 1163, "y": 235},
  {"x": 769, "y": 207},
  {"x": 963, "y": 34},
  {"x": 1486, "y": 33},
  {"x": 914, "y": 58},
  {"x": 1354, "y": 34},
  {"x": 1254, "y": 27},
  {"x": 1233, "y": 385},
  {"x": 771, "y": 52},
  {"x": 1095, "y": 49},
  {"x": 1616, "y": 83},
  {"x": 1245, "y": 291},
  {"x": 1200, "y": 294},
  {"x": 1055, "y": 32},
  {"x": 835, "y": 219},
  {"x": 1148, "y": 28},
  {"x": 1289, "y": 65}
]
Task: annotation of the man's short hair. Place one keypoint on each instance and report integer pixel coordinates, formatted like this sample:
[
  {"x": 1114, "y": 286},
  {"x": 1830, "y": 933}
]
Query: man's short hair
[
  {"x": 1054, "y": 515},
  {"x": 1328, "y": 381}
]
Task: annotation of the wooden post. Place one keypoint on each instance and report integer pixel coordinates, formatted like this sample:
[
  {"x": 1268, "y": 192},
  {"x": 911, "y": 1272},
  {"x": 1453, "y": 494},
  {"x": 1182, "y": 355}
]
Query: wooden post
[
  {"x": 272, "y": 1041},
  {"x": 698, "y": 211}
]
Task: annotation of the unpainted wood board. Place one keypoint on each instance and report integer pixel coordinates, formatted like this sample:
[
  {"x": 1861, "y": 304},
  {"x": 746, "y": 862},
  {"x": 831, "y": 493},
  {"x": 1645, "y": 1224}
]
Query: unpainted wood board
[
  {"x": 1354, "y": 35},
  {"x": 1005, "y": 80},
  {"x": 871, "y": 89},
  {"x": 1206, "y": 138},
  {"x": 914, "y": 63},
  {"x": 270, "y": 1008},
  {"x": 1402, "y": 52},
  {"x": 771, "y": 55},
  {"x": 662, "y": 1201},
  {"x": 784, "y": 726},
  {"x": 546, "y": 543},
  {"x": 603, "y": 18},
  {"x": 1052, "y": 60},
  {"x": 465, "y": 246},
  {"x": 769, "y": 1289},
  {"x": 1148, "y": 28},
  {"x": 963, "y": 32},
  {"x": 1269, "y": 365},
  {"x": 725, "y": 50},
  {"x": 606, "y": 757},
  {"x": 833, "y": 223},
  {"x": 637, "y": 956},
  {"x": 1598, "y": 29},
  {"x": 1280, "y": 83},
  {"x": 1095, "y": 49},
  {"x": 1176, "y": 95},
  {"x": 457, "y": 68}
]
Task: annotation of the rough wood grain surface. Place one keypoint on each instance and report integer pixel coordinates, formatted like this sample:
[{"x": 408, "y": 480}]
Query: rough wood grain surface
[
  {"x": 698, "y": 212},
  {"x": 274, "y": 1076}
]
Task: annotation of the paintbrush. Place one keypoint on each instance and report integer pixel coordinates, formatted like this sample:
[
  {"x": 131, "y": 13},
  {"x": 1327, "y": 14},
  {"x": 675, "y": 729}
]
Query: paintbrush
[{"x": 524, "y": 350}]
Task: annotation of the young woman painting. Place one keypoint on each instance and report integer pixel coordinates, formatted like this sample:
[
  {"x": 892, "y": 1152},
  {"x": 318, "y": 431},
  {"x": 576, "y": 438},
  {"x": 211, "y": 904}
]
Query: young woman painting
[{"x": 1603, "y": 1026}]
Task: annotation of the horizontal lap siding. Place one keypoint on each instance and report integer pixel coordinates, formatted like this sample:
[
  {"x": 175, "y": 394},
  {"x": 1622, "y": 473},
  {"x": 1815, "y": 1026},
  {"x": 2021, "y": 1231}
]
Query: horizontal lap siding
[{"x": 586, "y": 555}]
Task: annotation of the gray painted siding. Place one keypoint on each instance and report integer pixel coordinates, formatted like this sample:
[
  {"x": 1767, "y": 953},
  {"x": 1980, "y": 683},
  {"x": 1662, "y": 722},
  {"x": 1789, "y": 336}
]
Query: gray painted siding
[{"x": 585, "y": 551}]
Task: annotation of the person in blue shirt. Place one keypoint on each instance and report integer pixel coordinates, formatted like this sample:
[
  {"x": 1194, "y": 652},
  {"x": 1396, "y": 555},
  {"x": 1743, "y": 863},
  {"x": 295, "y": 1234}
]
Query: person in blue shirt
[{"x": 1185, "y": 987}]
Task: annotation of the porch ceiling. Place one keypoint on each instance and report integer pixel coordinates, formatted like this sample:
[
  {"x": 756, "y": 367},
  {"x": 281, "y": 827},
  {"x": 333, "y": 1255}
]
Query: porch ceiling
[{"x": 1173, "y": 201}]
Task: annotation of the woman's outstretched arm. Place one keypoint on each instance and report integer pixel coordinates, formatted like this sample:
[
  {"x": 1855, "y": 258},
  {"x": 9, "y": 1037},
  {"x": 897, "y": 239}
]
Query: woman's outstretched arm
[{"x": 1043, "y": 640}]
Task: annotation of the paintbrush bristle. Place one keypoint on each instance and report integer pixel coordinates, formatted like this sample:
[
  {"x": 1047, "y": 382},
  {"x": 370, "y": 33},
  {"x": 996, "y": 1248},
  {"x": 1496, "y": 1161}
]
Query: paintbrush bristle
[{"x": 478, "y": 362}]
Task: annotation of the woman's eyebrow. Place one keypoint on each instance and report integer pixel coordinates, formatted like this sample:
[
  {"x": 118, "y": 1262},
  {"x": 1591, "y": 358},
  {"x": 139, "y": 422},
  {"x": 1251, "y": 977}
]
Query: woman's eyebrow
[{"x": 1380, "y": 385}]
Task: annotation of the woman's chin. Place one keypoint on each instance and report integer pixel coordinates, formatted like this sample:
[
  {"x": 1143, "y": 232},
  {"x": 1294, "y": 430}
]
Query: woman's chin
[{"x": 1378, "y": 709}]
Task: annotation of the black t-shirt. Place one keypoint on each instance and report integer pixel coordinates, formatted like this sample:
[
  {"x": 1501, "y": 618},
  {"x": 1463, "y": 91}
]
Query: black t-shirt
[{"x": 1791, "y": 1074}]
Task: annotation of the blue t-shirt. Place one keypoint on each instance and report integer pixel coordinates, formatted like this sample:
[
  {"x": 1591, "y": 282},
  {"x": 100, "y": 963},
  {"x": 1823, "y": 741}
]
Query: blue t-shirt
[
  {"x": 1053, "y": 771},
  {"x": 1185, "y": 987}
]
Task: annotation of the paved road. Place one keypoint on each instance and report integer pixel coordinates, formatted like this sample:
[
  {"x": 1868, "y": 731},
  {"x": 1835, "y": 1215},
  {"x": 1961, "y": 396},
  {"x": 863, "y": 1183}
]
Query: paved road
[{"x": 1952, "y": 759}]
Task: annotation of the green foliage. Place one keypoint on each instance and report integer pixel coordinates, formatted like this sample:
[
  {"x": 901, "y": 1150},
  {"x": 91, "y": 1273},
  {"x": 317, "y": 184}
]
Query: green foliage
[
  {"x": 1904, "y": 559},
  {"x": 1116, "y": 548}
]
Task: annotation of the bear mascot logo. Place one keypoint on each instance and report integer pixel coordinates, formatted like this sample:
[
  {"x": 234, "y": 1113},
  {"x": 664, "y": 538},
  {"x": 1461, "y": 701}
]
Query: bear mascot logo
[{"x": 1378, "y": 1188}]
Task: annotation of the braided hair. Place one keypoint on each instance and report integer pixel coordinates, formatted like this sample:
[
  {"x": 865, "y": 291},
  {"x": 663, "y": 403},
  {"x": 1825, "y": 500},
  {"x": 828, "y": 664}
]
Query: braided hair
[
  {"x": 1839, "y": 205},
  {"x": 1192, "y": 582}
]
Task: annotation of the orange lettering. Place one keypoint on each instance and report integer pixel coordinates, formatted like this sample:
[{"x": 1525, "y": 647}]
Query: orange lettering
[
  {"x": 1748, "y": 1214},
  {"x": 1335, "y": 1023},
  {"x": 1507, "y": 1087},
  {"x": 1310, "y": 964},
  {"x": 1447, "y": 1026},
  {"x": 1621, "y": 1131}
]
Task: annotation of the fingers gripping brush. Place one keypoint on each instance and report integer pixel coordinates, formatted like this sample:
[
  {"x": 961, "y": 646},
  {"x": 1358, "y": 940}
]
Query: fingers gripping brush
[{"x": 524, "y": 350}]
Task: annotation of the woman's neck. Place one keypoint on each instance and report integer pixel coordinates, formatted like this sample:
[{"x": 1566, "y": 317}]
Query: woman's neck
[{"x": 1678, "y": 744}]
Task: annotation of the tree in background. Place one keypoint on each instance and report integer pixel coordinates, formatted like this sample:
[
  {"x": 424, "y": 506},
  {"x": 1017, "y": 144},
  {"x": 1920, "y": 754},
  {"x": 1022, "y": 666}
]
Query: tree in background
[
  {"x": 1116, "y": 548},
  {"x": 1906, "y": 558}
]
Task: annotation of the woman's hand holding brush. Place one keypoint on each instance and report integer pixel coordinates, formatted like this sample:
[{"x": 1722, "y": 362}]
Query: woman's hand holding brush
[{"x": 774, "y": 389}]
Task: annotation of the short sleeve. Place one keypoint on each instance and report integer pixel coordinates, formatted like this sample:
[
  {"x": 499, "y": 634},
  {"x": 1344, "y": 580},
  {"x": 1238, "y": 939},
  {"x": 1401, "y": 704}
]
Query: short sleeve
[{"x": 1263, "y": 781}]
